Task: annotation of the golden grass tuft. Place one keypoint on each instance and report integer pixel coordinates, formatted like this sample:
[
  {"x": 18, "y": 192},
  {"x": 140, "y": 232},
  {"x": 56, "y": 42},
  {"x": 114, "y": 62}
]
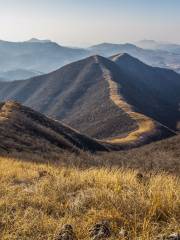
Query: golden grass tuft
[{"x": 37, "y": 199}]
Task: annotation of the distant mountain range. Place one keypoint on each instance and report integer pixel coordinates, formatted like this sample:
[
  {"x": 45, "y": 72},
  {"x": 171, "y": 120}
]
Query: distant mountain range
[
  {"x": 18, "y": 74},
  {"x": 156, "y": 57},
  {"x": 39, "y": 55},
  {"x": 151, "y": 44},
  {"x": 34, "y": 56},
  {"x": 36, "y": 40},
  {"x": 119, "y": 99}
]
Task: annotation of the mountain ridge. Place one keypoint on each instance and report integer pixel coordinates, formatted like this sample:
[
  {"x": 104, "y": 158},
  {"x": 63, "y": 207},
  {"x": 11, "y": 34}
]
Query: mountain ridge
[{"x": 103, "y": 98}]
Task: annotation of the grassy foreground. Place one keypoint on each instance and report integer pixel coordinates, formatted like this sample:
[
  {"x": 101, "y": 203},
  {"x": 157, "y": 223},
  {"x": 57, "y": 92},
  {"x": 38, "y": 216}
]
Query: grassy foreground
[{"x": 37, "y": 199}]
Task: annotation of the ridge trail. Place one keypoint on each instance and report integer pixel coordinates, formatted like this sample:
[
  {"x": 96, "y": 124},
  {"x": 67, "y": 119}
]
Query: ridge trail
[{"x": 145, "y": 124}]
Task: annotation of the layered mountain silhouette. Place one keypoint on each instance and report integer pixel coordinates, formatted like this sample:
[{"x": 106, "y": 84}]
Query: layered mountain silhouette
[
  {"x": 18, "y": 74},
  {"x": 45, "y": 56},
  {"x": 160, "y": 57},
  {"x": 108, "y": 49},
  {"x": 167, "y": 46},
  {"x": 39, "y": 55},
  {"x": 120, "y": 99},
  {"x": 25, "y": 130}
]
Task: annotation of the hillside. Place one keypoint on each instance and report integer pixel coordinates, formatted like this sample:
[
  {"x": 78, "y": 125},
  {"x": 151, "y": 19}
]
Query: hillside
[
  {"x": 78, "y": 94},
  {"x": 26, "y": 131},
  {"x": 29, "y": 135},
  {"x": 157, "y": 156},
  {"x": 42, "y": 56},
  {"x": 104, "y": 100},
  {"x": 45, "y": 184}
]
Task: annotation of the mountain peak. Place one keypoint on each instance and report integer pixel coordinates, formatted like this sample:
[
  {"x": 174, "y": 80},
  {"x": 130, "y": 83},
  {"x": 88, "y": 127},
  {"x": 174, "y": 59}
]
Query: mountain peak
[
  {"x": 98, "y": 59},
  {"x": 126, "y": 58},
  {"x": 36, "y": 40},
  {"x": 120, "y": 56}
]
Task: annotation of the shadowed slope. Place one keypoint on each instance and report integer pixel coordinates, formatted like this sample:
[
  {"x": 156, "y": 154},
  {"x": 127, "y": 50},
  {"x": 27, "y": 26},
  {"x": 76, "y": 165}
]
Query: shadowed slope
[
  {"x": 25, "y": 130},
  {"x": 145, "y": 124},
  {"x": 152, "y": 91}
]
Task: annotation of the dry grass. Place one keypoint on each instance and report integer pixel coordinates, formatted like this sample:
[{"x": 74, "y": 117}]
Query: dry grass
[{"x": 37, "y": 199}]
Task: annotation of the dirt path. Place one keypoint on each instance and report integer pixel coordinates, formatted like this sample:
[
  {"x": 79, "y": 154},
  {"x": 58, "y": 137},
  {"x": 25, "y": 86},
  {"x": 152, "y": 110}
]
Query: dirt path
[{"x": 145, "y": 124}]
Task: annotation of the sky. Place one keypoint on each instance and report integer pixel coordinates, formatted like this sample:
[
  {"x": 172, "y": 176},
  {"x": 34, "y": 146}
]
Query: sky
[{"x": 86, "y": 22}]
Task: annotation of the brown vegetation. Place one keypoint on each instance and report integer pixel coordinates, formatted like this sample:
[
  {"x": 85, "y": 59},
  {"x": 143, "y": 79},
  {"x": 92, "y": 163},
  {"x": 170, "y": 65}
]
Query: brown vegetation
[{"x": 35, "y": 206}]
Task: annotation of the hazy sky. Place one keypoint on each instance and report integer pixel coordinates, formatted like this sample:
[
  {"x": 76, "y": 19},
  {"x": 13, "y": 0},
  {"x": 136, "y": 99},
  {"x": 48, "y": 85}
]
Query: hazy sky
[{"x": 76, "y": 22}]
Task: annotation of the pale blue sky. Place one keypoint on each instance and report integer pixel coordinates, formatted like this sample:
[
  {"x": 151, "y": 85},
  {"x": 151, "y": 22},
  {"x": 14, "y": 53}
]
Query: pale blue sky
[{"x": 83, "y": 22}]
